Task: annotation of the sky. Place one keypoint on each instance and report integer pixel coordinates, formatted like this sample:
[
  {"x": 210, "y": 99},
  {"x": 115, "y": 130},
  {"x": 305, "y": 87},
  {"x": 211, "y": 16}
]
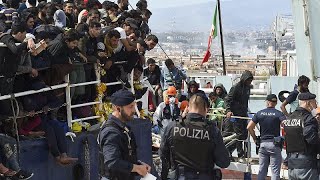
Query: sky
[
  {"x": 168, "y": 3},
  {"x": 152, "y": 4}
]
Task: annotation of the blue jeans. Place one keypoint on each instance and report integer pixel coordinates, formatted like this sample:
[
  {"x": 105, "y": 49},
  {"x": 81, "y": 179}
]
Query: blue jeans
[
  {"x": 55, "y": 136},
  {"x": 269, "y": 154},
  {"x": 8, "y": 155}
]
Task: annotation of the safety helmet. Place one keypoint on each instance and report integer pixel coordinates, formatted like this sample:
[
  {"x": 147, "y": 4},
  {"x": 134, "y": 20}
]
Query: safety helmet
[{"x": 171, "y": 91}]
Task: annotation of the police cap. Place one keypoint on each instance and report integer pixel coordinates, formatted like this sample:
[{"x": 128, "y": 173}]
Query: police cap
[
  {"x": 306, "y": 96},
  {"x": 122, "y": 98},
  {"x": 272, "y": 98}
]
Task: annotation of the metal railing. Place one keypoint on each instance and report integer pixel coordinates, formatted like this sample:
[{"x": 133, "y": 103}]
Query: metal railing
[{"x": 67, "y": 86}]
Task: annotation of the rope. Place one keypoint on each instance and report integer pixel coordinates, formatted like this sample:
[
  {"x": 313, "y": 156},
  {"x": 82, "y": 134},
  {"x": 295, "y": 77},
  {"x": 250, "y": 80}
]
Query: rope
[
  {"x": 38, "y": 112},
  {"x": 13, "y": 101},
  {"x": 222, "y": 115},
  {"x": 19, "y": 73},
  {"x": 87, "y": 159}
]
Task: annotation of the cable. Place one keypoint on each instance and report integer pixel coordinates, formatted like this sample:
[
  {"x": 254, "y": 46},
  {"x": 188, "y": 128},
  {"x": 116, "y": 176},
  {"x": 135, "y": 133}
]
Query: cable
[
  {"x": 130, "y": 6},
  {"x": 163, "y": 51}
]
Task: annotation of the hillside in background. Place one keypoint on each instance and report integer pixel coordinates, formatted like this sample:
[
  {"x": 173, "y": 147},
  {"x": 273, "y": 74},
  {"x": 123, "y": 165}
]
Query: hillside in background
[{"x": 236, "y": 15}]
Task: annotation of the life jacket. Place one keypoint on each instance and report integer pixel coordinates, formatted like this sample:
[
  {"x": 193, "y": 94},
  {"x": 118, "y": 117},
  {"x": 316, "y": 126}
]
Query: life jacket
[
  {"x": 293, "y": 127},
  {"x": 193, "y": 145},
  {"x": 167, "y": 114}
]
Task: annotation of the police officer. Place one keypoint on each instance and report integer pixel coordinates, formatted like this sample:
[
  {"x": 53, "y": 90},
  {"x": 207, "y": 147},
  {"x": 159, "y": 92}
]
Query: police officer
[
  {"x": 269, "y": 120},
  {"x": 302, "y": 139},
  {"x": 191, "y": 148},
  {"x": 117, "y": 142}
]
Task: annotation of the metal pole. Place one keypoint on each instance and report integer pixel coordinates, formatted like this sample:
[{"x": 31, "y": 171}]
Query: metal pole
[
  {"x": 68, "y": 101},
  {"x": 275, "y": 47},
  {"x": 221, "y": 38},
  {"x": 163, "y": 50}
]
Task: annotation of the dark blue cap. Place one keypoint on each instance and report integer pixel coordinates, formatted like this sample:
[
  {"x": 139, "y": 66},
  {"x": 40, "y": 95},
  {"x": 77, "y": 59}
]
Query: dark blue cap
[
  {"x": 272, "y": 98},
  {"x": 306, "y": 96},
  {"x": 122, "y": 98}
]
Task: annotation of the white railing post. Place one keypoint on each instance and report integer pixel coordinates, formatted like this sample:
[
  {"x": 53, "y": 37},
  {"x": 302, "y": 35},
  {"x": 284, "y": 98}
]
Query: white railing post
[
  {"x": 68, "y": 101},
  {"x": 99, "y": 97},
  {"x": 248, "y": 169},
  {"x": 97, "y": 71}
]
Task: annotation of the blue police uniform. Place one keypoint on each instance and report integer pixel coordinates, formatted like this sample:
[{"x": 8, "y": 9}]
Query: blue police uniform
[
  {"x": 117, "y": 143},
  {"x": 191, "y": 148},
  {"x": 118, "y": 159},
  {"x": 269, "y": 120},
  {"x": 302, "y": 142}
]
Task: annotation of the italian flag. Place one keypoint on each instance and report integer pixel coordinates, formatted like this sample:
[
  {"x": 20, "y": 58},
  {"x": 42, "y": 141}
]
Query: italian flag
[{"x": 213, "y": 34}]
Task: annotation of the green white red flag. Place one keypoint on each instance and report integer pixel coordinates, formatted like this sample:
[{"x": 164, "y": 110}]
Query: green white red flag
[{"x": 213, "y": 34}]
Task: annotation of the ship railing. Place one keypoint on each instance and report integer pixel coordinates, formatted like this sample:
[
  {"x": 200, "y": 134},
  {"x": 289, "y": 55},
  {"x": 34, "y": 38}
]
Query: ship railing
[
  {"x": 69, "y": 106},
  {"x": 67, "y": 86},
  {"x": 68, "y": 97}
]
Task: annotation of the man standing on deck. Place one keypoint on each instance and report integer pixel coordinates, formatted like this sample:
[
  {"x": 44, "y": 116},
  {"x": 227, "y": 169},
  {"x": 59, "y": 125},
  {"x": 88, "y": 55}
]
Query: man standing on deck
[
  {"x": 117, "y": 142},
  {"x": 302, "y": 139},
  {"x": 303, "y": 83},
  {"x": 237, "y": 105},
  {"x": 167, "y": 111},
  {"x": 171, "y": 76},
  {"x": 153, "y": 73},
  {"x": 190, "y": 149},
  {"x": 269, "y": 120}
]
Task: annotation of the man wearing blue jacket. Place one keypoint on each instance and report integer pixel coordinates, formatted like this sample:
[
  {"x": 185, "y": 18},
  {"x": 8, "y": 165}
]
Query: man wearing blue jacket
[{"x": 117, "y": 141}]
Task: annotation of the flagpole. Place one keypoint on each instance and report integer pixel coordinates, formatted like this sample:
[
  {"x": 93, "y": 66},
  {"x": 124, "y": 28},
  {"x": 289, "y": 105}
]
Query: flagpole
[{"x": 221, "y": 38}]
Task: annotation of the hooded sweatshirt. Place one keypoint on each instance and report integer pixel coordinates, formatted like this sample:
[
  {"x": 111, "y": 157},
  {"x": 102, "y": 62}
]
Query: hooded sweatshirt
[
  {"x": 194, "y": 83},
  {"x": 237, "y": 99},
  {"x": 224, "y": 93}
]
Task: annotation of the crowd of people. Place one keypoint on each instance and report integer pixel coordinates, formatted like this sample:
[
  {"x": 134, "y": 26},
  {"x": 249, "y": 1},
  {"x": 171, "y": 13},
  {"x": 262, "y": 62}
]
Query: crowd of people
[{"x": 45, "y": 41}]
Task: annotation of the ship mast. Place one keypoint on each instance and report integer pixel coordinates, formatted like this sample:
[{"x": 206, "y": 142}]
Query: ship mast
[{"x": 221, "y": 39}]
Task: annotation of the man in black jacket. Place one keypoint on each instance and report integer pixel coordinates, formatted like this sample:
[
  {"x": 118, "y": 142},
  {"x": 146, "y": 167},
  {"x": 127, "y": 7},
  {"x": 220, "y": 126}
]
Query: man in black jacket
[
  {"x": 62, "y": 51},
  {"x": 193, "y": 88},
  {"x": 10, "y": 56},
  {"x": 153, "y": 73},
  {"x": 237, "y": 105},
  {"x": 88, "y": 47},
  {"x": 190, "y": 149}
]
